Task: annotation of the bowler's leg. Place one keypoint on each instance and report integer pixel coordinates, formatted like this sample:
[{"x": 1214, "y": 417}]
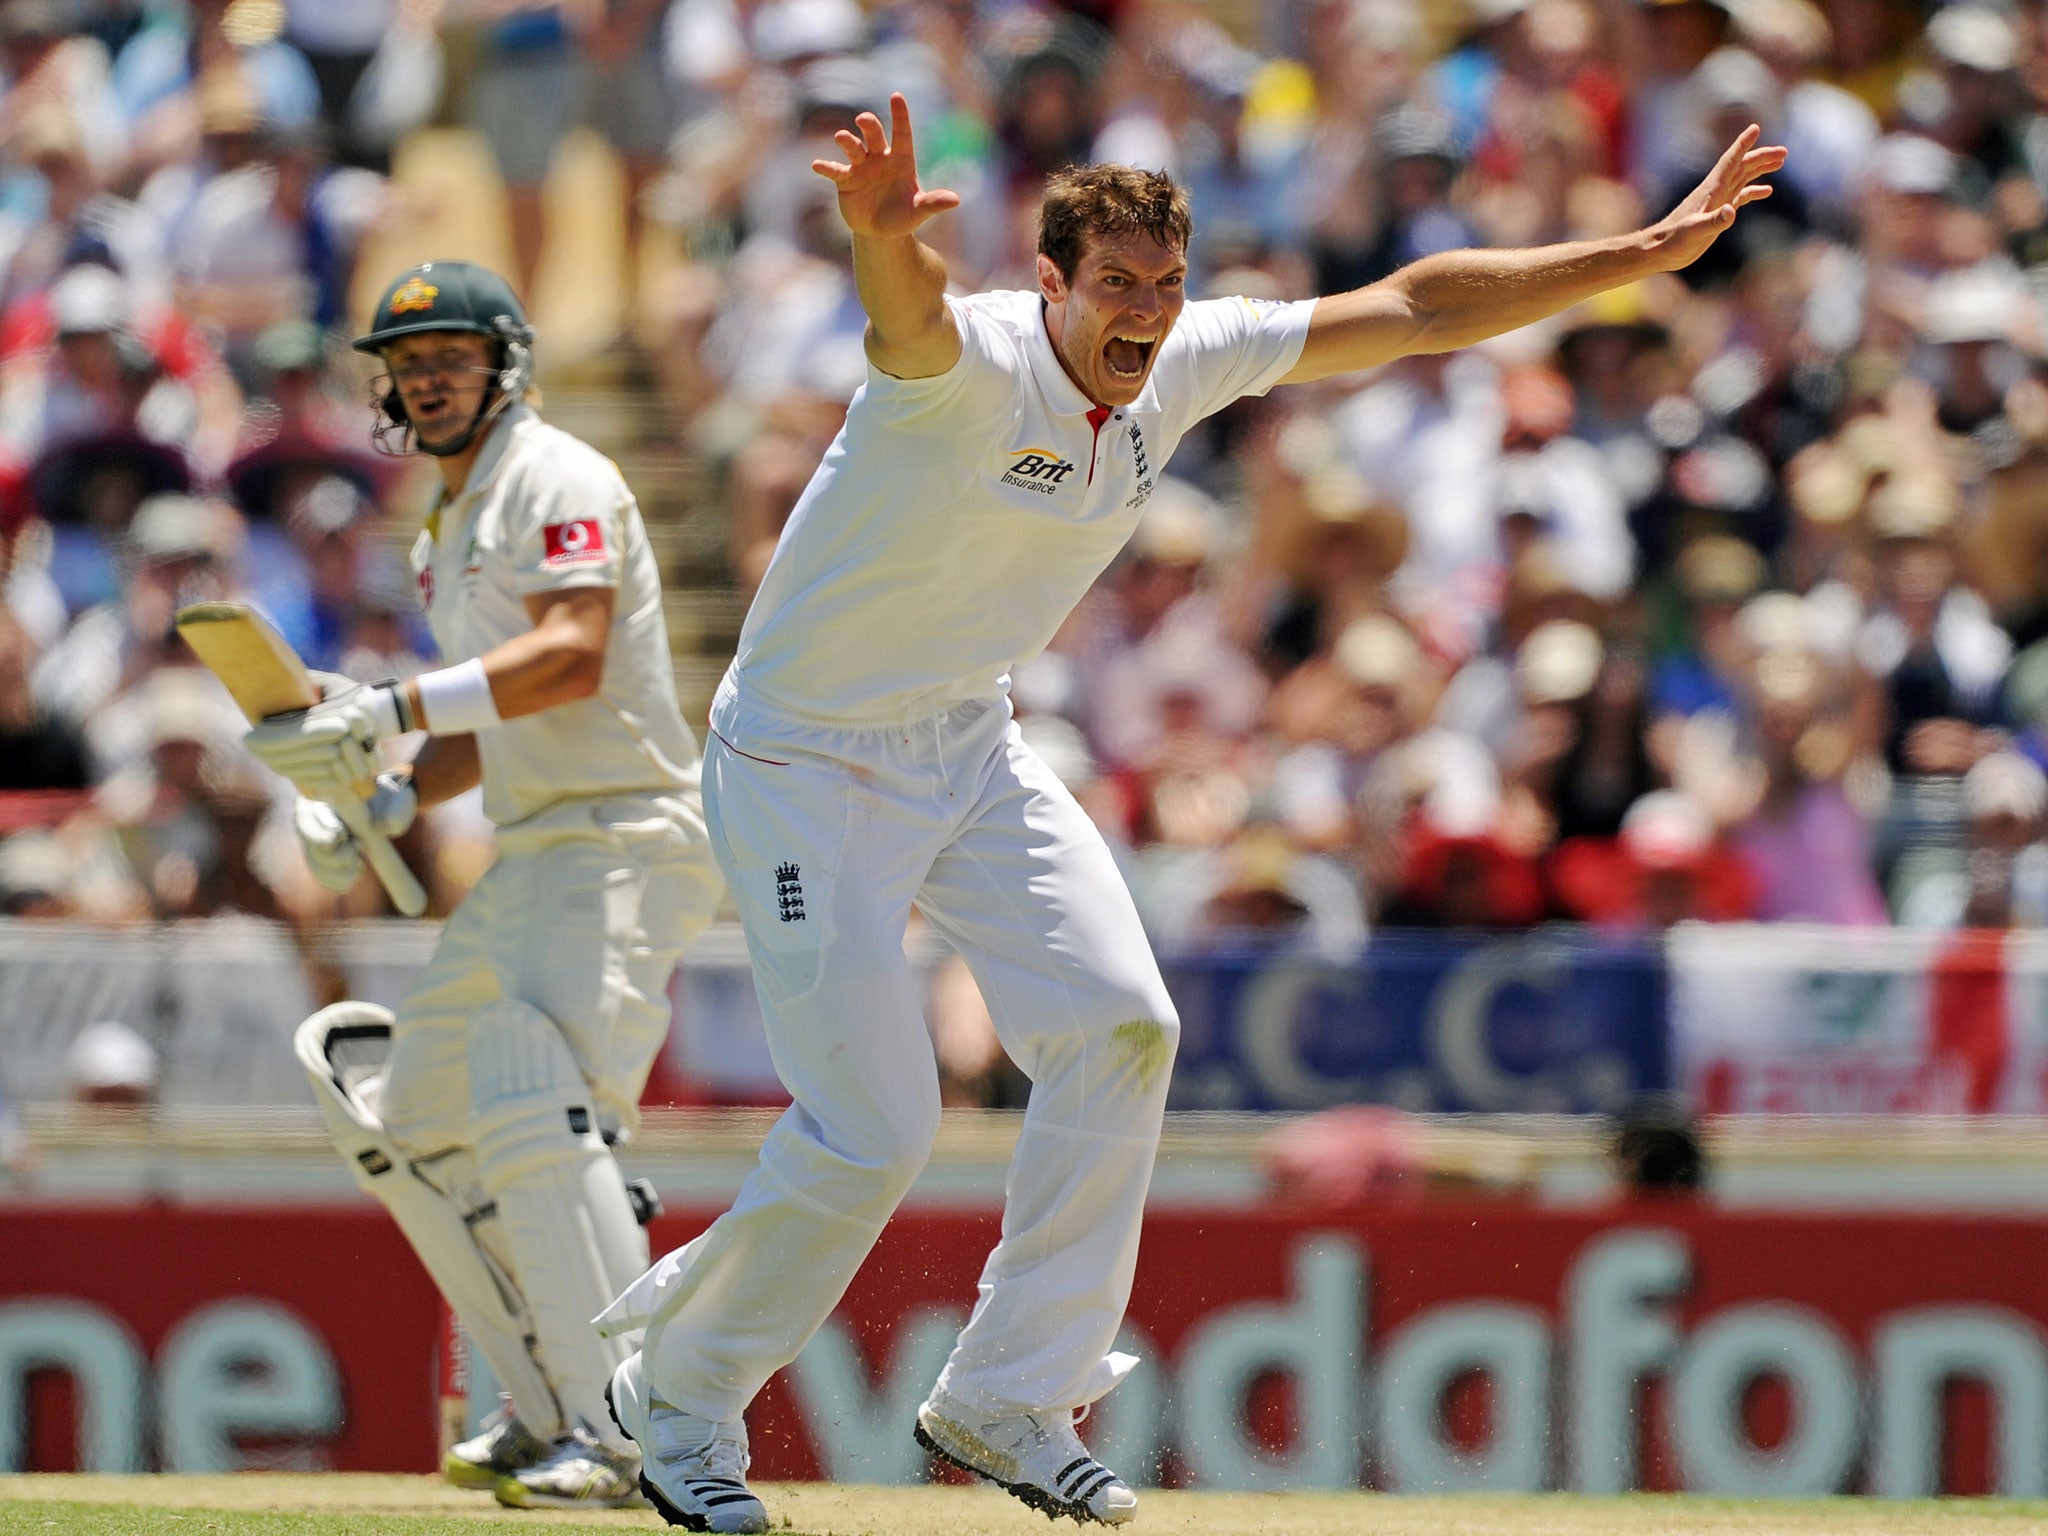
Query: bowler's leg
[
  {"x": 822, "y": 878},
  {"x": 1032, "y": 898}
]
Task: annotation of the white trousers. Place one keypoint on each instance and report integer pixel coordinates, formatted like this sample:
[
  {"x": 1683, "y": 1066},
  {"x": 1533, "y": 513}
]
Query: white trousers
[
  {"x": 583, "y": 915},
  {"x": 827, "y": 836}
]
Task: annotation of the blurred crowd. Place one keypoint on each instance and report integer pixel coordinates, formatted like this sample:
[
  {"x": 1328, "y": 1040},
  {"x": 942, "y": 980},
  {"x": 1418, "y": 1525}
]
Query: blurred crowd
[
  {"x": 1722, "y": 596},
  {"x": 1719, "y": 597}
]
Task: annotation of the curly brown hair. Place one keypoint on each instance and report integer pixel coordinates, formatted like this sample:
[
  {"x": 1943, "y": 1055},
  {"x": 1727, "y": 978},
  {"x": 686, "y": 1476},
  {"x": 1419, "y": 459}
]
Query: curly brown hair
[{"x": 1088, "y": 200}]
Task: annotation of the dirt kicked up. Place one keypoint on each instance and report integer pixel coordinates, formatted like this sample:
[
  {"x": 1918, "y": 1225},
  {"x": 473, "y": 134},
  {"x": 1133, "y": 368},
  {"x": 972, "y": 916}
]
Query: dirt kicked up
[{"x": 332, "y": 1504}]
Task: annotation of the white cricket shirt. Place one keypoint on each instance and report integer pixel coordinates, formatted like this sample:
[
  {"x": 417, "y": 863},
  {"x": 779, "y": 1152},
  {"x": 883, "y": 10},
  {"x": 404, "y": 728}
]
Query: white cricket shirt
[
  {"x": 956, "y": 520},
  {"x": 543, "y": 511}
]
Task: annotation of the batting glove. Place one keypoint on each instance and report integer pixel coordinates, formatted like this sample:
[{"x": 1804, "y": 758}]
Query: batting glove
[
  {"x": 331, "y": 852},
  {"x": 329, "y": 750}
]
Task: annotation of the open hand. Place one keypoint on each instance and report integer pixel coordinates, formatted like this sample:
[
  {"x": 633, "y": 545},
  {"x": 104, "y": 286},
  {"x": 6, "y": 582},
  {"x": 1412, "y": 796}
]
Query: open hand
[
  {"x": 1682, "y": 236},
  {"x": 878, "y": 191}
]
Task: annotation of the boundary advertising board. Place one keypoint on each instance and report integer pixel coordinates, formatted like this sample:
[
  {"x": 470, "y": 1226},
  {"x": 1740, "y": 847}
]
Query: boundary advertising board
[{"x": 1443, "y": 1345}]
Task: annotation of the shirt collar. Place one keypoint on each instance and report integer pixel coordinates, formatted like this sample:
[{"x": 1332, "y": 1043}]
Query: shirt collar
[
  {"x": 1061, "y": 392},
  {"x": 491, "y": 459}
]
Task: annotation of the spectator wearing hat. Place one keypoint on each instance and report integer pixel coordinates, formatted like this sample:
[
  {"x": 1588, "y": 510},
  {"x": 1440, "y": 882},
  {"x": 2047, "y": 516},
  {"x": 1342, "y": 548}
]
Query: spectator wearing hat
[
  {"x": 1550, "y": 484},
  {"x": 1716, "y": 575},
  {"x": 49, "y": 61},
  {"x": 164, "y": 349},
  {"x": 296, "y": 431},
  {"x": 1998, "y": 877},
  {"x": 1909, "y": 192},
  {"x": 1556, "y": 122},
  {"x": 1609, "y": 764},
  {"x": 158, "y": 74},
  {"x": 78, "y": 210},
  {"x": 1418, "y": 162},
  {"x": 273, "y": 240},
  {"x": 1465, "y": 80},
  {"x": 1424, "y": 434},
  {"x": 178, "y": 549},
  {"x": 105, "y": 419},
  {"x": 1324, "y": 549},
  {"x": 1667, "y": 41},
  {"x": 1828, "y": 133},
  {"x": 1161, "y": 643},
  {"x": 1334, "y": 716},
  {"x": 187, "y": 814},
  {"x": 1259, "y": 888},
  {"x": 1929, "y": 641},
  {"x": 1611, "y": 350},
  {"x": 1731, "y": 85},
  {"x": 1805, "y": 842},
  {"x": 1555, "y": 669},
  {"x": 1439, "y": 842},
  {"x": 1983, "y": 331},
  {"x": 97, "y": 376},
  {"x": 1977, "y": 105},
  {"x": 1483, "y": 699},
  {"x": 1667, "y": 866}
]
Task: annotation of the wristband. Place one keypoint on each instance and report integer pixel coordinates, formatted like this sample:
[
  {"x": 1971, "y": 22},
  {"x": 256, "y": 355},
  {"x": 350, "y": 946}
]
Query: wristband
[
  {"x": 457, "y": 699},
  {"x": 389, "y": 715}
]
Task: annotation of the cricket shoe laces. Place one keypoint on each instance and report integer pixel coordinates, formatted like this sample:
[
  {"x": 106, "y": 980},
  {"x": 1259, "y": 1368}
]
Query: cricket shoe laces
[
  {"x": 1036, "y": 1456},
  {"x": 502, "y": 1444},
  {"x": 693, "y": 1471},
  {"x": 578, "y": 1472}
]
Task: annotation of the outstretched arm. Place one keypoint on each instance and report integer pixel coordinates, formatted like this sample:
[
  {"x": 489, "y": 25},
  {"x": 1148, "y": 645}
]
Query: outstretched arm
[
  {"x": 1451, "y": 300},
  {"x": 902, "y": 281}
]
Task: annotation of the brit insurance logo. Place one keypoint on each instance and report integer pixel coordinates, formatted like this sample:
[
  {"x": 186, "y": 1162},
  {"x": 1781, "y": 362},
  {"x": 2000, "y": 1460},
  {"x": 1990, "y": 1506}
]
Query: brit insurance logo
[{"x": 1037, "y": 469}]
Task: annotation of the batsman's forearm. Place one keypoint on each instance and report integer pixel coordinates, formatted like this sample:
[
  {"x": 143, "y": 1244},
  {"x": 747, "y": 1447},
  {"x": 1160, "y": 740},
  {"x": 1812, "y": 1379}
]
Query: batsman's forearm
[
  {"x": 1460, "y": 297},
  {"x": 902, "y": 286},
  {"x": 446, "y": 767}
]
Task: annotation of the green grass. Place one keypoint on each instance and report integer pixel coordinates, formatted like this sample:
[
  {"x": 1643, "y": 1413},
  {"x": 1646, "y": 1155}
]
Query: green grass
[{"x": 292, "y": 1504}]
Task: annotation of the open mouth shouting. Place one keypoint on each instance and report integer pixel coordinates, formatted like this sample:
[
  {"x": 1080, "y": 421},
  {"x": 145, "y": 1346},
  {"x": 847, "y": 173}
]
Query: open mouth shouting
[{"x": 1127, "y": 357}]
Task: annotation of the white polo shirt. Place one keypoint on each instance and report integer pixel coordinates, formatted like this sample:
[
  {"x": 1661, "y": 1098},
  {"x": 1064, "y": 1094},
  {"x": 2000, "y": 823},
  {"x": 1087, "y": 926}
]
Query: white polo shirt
[
  {"x": 543, "y": 511},
  {"x": 956, "y": 520}
]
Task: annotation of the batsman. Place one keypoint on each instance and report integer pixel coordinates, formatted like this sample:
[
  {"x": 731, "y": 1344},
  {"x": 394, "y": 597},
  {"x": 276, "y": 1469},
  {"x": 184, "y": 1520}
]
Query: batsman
[{"x": 483, "y": 1113}]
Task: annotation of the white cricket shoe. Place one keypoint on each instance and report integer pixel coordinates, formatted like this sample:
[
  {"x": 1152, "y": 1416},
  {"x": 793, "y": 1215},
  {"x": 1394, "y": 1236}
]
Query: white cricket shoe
[
  {"x": 578, "y": 1472},
  {"x": 1036, "y": 1456},
  {"x": 501, "y": 1445},
  {"x": 693, "y": 1471}
]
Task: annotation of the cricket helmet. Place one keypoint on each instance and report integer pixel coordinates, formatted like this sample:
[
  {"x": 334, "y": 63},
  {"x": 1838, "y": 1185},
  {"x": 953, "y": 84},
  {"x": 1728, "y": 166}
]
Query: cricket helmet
[
  {"x": 445, "y": 296},
  {"x": 449, "y": 296}
]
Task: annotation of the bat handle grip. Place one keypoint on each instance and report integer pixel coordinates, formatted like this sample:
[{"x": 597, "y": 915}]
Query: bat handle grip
[{"x": 398, "y": 880}]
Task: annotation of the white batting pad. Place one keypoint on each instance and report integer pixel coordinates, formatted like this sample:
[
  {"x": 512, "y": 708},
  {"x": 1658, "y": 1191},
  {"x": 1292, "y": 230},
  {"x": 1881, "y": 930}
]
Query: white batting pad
[
  {"x": 343, "y": 1048},
  {"x": 561, "y": 1201}
]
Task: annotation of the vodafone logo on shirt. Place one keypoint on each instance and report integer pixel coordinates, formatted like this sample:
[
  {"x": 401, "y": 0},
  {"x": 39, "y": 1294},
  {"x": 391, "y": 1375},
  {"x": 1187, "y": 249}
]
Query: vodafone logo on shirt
[{"x": 577, "y": 543}]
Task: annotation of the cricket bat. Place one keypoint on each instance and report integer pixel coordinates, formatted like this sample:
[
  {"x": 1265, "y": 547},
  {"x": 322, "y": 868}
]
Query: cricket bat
[{"x": 265, "y": 676}]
